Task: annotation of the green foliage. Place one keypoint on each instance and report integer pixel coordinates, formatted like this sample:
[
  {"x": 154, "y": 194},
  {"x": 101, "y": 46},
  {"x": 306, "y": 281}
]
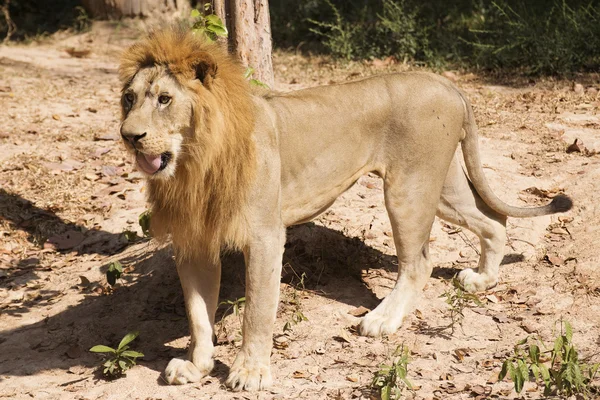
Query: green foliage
[
  {"x": 208, "y": 24},
  {"x": 558, "y": 369},
  {"x": 144, "y": 221},
  {"x": 114, "y": 272},
  {"x": 393, "y": 31},
  {"x": 535, "y": 37},
  {"x": 295, "y": 300},
  {"x": 118, "y": 360},
  {"x": 556, "y": 39},
  {"x": 458, "y": 299},
  {"x": 248, "y": 75},
  {"x": 391, "y": 380},
  {"x": 236, "y": 308}
]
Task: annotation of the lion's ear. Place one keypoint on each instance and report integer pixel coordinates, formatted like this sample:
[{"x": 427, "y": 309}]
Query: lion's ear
[{"x": 206, "y": 69}]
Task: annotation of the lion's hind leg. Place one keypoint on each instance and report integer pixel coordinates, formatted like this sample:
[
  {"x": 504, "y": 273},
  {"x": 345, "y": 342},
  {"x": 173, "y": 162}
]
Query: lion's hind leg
[
  {"x": 411, "y": 215},
  {"x": 461, "y": 205}
]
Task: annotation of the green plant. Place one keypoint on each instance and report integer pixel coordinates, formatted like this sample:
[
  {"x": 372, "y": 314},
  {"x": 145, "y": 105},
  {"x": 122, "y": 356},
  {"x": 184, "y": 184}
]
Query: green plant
[
  {"x": 114, "y": 272},
  {"x": 236, "y": 308},
  {"x": 248, "y": 75},
  {"x": 294, "y": 299},
  {"x": 120, "y": 359},
  {"x": 559, "y": 368},
  {"x": 208, "y": 24},
  {"x": 82, "y": 21},
  {"x": 458, "y": 299},
  {"x": 391, "y": 380},
  {"x": 144, "y": 221}
]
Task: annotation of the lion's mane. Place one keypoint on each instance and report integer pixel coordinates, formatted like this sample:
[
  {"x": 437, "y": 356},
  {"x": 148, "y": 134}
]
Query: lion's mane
[{"x": 202, "y": 206}]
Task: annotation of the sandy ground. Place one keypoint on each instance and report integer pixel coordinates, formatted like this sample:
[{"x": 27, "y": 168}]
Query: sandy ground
[{"x": 68, "y": 191}]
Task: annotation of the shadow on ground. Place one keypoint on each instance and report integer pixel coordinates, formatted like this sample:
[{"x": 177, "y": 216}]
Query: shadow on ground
[{"x": 151, "y": 301}]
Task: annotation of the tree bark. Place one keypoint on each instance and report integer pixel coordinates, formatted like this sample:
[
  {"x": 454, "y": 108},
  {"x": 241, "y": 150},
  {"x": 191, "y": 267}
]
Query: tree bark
[
  {"x": 249, "y": 26},
  {"x": 104, "y": 9}
]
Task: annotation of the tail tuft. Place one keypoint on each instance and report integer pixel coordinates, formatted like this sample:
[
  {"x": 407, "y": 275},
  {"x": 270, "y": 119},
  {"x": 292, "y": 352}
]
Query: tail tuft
[{"x": 561, "y": 203}]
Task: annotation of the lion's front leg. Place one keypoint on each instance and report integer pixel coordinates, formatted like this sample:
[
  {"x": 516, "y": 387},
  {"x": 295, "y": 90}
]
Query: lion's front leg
[
  {"x": 200, "y": 279},
  {"x": 251, "y": 369}
]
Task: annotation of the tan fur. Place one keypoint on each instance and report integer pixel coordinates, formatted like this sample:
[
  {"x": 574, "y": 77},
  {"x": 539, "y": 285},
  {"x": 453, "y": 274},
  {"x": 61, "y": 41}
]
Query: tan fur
[
  {"x": 212, "y": 180},
  {"x": 236, "y": 169}
]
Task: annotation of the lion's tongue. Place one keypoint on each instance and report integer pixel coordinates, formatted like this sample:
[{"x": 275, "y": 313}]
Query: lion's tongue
[{"x": 147, "y": 163}]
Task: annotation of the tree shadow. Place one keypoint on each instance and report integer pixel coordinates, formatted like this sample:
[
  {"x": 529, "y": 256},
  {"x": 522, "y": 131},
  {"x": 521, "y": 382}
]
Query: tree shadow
[
  {"x": 42, "y": 224},
  {"x": 150, "y": 301}
]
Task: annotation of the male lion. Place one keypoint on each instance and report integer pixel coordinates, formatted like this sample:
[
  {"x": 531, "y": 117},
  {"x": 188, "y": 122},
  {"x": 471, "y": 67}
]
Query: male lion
[{"x": 226, "y": 168}]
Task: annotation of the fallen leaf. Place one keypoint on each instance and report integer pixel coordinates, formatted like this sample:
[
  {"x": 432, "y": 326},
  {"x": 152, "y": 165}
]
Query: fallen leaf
[
  {"x": 101, "y": 137},
  {"x": 300, "y": 375},
  {"x": 342, "y": 337},
  {"x": 359, "y": 311},
  {"x": 78, "y": 53}
]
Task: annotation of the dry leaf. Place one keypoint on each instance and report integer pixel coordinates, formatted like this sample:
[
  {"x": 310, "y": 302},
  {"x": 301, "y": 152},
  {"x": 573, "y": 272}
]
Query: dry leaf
[
  {"x": 300, "y": 375},
  {"x": 359, "y": 311}
]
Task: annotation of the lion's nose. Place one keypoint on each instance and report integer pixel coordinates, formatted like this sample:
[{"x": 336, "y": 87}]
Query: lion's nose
[{"x": 132, "y": 138}]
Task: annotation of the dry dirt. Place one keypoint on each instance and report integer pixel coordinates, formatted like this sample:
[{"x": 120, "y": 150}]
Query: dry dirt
[{"x": 68, "y": 191}]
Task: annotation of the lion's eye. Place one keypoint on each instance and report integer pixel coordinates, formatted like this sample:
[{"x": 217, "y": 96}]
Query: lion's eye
[{"x": 164, "y": 99}]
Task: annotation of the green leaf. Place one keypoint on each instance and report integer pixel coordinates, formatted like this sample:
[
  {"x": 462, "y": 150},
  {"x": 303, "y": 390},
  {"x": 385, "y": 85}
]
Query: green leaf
[
  {"x": 536, "y": 372},
  {"x": 102, "y": 349},
  {"x": 568, "y": 331},
  {"x": 256, "y": 82},
  {"x": 385, "y": 393},
  {"x": 558, "y": 344},
  {"x": 131, "y": 353},
  {"x": 534, "y": 353},
  {"x": 127, "y": 339},
  {"x": 195, "y": 13},
  {"x": 123, "y": 365},
  {"x": 545, "y": 375},
  {"x": 144, "y": 220},
  {"x": 248, "y": 73},
  {"x": 523, "y": 371},
  {"x": 217, "y": 30},
  {"x": 522, "y": 341},
  {"x": 504, "y": 370},
  {"x": 115, "y": 269}
]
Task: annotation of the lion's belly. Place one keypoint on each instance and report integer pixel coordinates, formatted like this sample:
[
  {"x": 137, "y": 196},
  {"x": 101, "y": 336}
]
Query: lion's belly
[{"x": 304, "y": 200}]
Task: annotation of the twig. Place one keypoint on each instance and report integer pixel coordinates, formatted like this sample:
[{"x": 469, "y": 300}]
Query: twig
[{"x": 11, "y": 27}]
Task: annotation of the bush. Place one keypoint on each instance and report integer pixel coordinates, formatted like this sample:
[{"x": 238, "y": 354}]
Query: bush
[{"x": 535, "y": 36}]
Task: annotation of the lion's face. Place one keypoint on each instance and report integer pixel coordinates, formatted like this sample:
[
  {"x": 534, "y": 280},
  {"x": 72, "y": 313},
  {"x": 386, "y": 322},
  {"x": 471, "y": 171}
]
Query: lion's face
[{"x": 157, "y": 119}]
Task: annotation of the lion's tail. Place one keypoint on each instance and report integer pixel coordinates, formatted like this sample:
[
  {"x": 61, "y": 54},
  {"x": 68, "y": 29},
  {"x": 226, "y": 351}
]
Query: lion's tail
[{"x": 470, "y": 147}]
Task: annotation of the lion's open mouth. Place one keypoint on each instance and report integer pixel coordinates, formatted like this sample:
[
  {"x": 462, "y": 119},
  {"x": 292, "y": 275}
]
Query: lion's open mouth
[{"x": 151, "y": 164}]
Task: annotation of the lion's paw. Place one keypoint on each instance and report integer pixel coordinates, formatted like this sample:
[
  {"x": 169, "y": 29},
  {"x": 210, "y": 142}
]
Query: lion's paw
[
  {"x": 249, "y": 376},
  {"x": 473, "y": 281},
  {"x": 374, "y": 324},
  {"x": 180, "y": 372}
]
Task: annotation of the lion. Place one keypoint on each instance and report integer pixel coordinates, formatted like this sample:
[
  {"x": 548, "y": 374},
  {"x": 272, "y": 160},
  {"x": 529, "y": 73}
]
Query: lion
[{"x": 230, "y": 168}]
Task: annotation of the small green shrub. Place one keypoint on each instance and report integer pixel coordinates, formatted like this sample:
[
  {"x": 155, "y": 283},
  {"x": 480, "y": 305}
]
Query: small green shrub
[
  {"x": 208, "y": 24},
  {"x": 391, "y": 380},
  {"x": 558, "y": 369},
  {"x": 114, "y": 272},
  {"x": 458, "y": 299},
  {"x": 120, "y": 359}
]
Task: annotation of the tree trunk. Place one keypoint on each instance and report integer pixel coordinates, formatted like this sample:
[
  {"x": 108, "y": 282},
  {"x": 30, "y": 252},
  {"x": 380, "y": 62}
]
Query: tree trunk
[
  {"x": 104, "y": 9},
  {"x": 249, "y": 26}
]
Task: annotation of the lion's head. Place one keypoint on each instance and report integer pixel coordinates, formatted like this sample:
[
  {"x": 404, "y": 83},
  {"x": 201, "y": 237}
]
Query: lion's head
[{"x": 187, "y": 116}]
